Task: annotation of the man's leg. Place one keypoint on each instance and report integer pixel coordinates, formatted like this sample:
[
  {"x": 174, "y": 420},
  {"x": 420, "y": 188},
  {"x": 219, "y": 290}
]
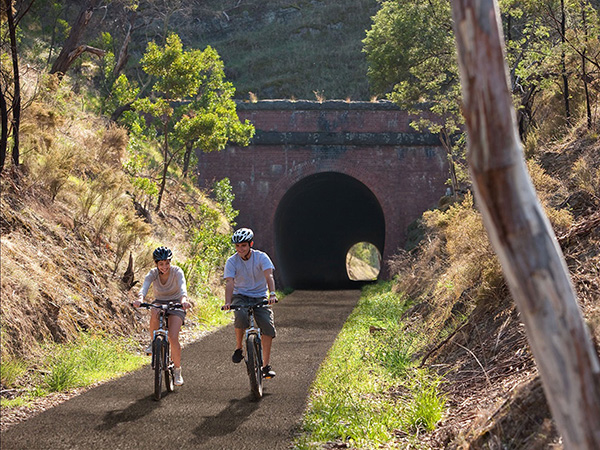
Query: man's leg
[
  {"x": 238, "y": 354},
  {"x": 266, "y": 344},
  {"x": 239, "y": 337}
]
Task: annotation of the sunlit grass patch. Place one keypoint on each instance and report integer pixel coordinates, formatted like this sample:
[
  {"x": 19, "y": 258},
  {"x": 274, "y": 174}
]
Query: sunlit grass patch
[
  {"x": 368, "y": 388},
  {"x": 11, "y": 370},
  {"x": 425, "y": 408},
  {"x": 90, "y": 359}
]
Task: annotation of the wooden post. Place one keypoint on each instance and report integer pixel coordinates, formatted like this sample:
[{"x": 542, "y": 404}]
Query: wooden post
[{"x": 520, "y": 232}]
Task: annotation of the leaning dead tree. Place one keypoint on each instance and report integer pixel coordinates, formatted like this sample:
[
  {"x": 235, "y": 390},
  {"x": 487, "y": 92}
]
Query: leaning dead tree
[
  {"x": 72, "y": 49},
  {"x": 520, "y": 233}
]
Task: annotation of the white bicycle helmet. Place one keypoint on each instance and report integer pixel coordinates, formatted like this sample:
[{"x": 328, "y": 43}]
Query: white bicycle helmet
[{"x": 242, "y": 235}]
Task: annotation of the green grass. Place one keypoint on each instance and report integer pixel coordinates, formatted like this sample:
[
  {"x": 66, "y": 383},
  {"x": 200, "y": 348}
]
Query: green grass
[
  {"x": 369, "y": 387},
  {"x": 90, "y": 359},
  {"x": 11, "y": 370}
]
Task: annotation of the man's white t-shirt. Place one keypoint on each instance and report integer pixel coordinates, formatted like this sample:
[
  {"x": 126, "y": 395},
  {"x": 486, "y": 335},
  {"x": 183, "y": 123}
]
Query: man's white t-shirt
[{"x": 248, "y": 276}]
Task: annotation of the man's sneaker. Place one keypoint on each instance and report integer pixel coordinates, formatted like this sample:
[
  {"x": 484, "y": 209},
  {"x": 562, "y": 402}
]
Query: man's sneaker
[
  {"x": 268, "y": 372},
  {"x": 148, "y": 350},
  {"x": 178, "y": 377},
  {"x": 237, "y": 356}
]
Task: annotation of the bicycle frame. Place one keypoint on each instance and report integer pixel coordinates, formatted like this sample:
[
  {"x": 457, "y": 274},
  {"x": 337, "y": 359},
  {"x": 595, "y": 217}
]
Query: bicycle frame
[
  {"x": 252, "y": 329},
  {"x": 161, "y": 348},
  {"x": 254, "y": 357}
]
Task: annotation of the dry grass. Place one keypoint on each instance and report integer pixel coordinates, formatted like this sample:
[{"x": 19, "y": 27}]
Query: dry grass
[{"x": 477, "y": 341}]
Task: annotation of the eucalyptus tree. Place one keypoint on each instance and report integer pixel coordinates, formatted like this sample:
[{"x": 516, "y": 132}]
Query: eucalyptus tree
[
  {"x": 520, "y": 232},
  {"x": 411, "y": 57},
  {"x": 190, "y": 103},
  {"x": 550, "y": 46},
  {"x": 11, "y": 13},
  {"x": 72, "y": 47}
]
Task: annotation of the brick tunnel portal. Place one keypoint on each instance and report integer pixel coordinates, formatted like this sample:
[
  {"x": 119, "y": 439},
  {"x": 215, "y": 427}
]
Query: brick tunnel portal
[{"x": 317, "y": 221}]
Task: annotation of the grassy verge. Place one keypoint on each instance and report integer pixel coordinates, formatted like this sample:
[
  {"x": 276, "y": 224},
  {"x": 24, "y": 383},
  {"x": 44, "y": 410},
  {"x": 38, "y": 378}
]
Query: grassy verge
[
  {"x": 369, "y": 390},
  {"x": 90, "y": 359}
]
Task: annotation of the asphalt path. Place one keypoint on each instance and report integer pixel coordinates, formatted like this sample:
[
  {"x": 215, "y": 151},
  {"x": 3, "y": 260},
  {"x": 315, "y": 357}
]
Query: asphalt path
[{"x": 214, "y": 408}]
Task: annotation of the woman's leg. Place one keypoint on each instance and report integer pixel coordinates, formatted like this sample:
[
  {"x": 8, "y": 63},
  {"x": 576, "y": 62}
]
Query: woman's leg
[
  {"x": 153, "y": 322},
  {"x": 175, "y": 323}
]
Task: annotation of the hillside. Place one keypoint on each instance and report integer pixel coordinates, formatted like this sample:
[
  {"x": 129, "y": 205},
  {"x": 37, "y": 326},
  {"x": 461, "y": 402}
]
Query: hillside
[
  {"x": 77, "y": 235},
  {"x": 274, "y": 49},
  {"x": 476, "y": 339}
]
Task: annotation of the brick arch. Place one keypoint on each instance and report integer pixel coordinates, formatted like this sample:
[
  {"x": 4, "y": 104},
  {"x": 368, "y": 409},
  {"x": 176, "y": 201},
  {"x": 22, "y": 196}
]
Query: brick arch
[{"x": 367, "y": 142}]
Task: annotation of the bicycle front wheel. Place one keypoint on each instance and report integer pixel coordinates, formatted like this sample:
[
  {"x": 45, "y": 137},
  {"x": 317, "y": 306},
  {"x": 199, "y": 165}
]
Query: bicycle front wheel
[
  {"x": 158, "y": 349},
  {"x": 169, "y": 374},
  {"x": 253, "y": 351}
]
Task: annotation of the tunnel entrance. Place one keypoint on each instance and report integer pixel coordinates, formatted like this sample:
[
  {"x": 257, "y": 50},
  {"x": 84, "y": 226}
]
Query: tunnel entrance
[{"x": 317, "y": 222}]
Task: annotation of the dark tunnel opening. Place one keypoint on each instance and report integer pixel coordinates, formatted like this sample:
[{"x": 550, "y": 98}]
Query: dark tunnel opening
[{"x": 317, "y": 221}]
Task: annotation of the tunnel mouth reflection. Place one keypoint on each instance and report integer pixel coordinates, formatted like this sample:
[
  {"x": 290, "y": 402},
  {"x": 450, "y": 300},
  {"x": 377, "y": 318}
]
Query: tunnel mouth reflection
[
  {"x": 363, "y": 262},
  {"x": 317, "y": 222}
]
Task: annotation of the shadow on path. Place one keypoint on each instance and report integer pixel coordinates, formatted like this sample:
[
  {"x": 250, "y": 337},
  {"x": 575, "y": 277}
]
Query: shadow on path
[
  {"x": 133, "y": 412},
  {"x": 227, "y": 421}
]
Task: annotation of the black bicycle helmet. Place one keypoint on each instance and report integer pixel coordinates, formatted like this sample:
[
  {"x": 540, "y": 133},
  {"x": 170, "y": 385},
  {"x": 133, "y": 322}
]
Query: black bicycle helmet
[
  {"x": 162, "y": 253},
  {"x": 242, "y": 235}
]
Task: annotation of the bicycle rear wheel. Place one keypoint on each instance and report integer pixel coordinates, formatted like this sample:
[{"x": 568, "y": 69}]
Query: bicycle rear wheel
[
  {"x": 158, "y": 349},
  {"x": 254, "y": 366}
]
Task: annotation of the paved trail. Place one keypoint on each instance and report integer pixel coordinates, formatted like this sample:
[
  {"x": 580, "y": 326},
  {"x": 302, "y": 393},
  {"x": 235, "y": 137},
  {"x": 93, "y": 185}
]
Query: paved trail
[{"x": 214, "y": 409}]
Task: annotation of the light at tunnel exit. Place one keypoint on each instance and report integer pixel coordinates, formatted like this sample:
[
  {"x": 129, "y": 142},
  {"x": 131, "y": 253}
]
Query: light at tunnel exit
[{"x": 363, "y": 262}]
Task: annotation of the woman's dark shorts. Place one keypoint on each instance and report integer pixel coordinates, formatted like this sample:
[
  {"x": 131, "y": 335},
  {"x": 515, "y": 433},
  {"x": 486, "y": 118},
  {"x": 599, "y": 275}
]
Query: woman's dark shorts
[
  {"x": 263, "y": 316},
  {"x": 179, "y": 312}
]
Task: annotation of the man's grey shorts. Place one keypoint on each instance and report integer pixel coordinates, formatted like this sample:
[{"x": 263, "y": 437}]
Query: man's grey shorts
[{"x": 263, "y": 316}]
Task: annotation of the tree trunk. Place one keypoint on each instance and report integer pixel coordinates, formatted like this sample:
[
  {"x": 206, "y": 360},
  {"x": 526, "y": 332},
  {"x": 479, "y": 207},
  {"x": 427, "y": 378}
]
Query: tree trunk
[
  {"x": 4, "y": 129},
  {"x": 520, "y": 232},
  {"x": 166, "y": 162},
  {"x": 123, "y": 53},
  {"x": 588, "y": 108},
  {"x": 566, "y": 94},
  {"x": 186, "y": 159},
  {"x": 117, "y": 113},
  {"x": 16, "y": 101},
  {"x": 64, "y": 61}
]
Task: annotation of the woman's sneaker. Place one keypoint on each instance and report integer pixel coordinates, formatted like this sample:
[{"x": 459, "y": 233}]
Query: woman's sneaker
[
  {"x": 178, "y": 377},
  {"x": 268, "y": 372}
]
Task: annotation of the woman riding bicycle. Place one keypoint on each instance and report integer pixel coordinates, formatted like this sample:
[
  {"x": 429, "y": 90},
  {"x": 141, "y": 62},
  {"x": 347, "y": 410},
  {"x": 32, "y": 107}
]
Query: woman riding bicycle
[
  {"x": 249, "y": 276},
  {"x": 168, "y": 284}
]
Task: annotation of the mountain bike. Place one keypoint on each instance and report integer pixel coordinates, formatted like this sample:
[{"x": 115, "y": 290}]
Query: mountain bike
[
  {"x": 254, "y": 357},
  {"x": 161, "y": 349}
]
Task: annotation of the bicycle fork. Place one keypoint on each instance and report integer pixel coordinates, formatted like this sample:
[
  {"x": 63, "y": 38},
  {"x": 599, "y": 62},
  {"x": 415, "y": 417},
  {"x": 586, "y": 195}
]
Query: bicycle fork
[{"x": 165, "y": 337}]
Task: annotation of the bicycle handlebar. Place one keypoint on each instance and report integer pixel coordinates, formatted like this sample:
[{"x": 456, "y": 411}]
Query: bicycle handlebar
[
  {"x": 258, "y": 305},
  {"x": 166, "y": 307}
]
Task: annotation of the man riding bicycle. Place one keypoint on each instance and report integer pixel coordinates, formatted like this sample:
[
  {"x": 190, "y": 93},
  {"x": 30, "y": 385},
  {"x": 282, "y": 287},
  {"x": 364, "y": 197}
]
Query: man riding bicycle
[
  {"x": 249, "y": 281},
  {"x": 168, "y": 284}
]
